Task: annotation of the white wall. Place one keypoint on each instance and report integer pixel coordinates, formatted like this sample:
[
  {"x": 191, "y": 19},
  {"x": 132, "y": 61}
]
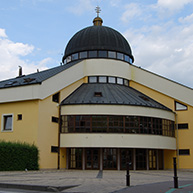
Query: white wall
[{"x": 117, "y": 140}]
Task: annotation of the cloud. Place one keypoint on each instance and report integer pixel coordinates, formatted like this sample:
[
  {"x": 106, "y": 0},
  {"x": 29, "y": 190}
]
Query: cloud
[
  {"x": 173, "y": 4},
  {"x": 81, "y": 7},
  {"x": 11, "y": 54},
  {"x": 115, "y": 3},
  {"x": 131, "y": 10},
  {"x": 186, "y": 19},
  {"x": 2, "y": 33},
  {"x": 165, "y": 50}
]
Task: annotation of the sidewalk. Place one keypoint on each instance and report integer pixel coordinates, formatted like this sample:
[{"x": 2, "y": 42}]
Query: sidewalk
[{"x": 96, "y": 181}]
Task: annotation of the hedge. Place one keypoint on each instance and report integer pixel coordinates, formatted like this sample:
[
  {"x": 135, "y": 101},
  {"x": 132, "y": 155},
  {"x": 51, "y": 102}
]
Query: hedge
[{"x": 16, "y": 156}]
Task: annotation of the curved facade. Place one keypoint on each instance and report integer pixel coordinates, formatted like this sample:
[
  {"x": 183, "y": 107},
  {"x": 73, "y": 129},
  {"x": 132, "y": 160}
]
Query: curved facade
[{"x": 105, "y": 122}]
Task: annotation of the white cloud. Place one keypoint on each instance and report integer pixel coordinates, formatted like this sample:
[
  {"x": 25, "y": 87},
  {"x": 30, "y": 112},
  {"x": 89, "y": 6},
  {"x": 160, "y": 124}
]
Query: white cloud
[
  {"x": 173, "y": 4},
  {"x": 2, "y": 33},
  {"x": 165, "y": 51},
  {"x": 81, "y": 7},
  {"x": 131, "y": 10},
  {"x": 186, "y": 19},
  {"x": 10, "y": 57},
  {"x": 115, "y": 3}
]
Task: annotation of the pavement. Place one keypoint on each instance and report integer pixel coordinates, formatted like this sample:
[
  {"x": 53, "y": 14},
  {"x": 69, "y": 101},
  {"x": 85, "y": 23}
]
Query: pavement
[{"x": 93, "y": 181}]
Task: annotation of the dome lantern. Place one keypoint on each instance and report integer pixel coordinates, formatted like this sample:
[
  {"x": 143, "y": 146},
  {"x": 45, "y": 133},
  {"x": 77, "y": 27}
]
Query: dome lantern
[{"x": 97, "y": 21}]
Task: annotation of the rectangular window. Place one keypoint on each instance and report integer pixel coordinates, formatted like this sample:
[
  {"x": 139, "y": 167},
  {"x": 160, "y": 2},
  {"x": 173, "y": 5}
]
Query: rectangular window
[
  {"x": 119, "y": 56},
  {"x": 126, "y": 82},
  {"x": 111, "y": 54},
  {"x": 19, "y": 117},
  {"x": 92, "y": 54},
  {"x": 98, "y": 94},
  {"x": 83, "y": 55},
  {"x": 183, "y": 126},
  {"x": 184, "y": 152},
  {"x": 102, "y": 79},
  {"x": 55, "y": 97},
  {"x": 55, "y": 119},
  {"x": 127, "y": 58},
  {"x": 180, "y": 106},
  {"x": 7, "y": 122},
  {"x": 75, "y": 56},
  {"x": 92, "y": 79},
  {"x": 119, "y": 81},
  {"x": 103, "y": 54},
  {"x": 111, "y": 79},
  {"x": 54, "y": 149}
]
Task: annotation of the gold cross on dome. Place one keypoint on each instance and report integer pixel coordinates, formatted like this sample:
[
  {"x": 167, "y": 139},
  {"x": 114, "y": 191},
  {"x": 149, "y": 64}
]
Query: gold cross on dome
[{"x": 98, "y": 10}]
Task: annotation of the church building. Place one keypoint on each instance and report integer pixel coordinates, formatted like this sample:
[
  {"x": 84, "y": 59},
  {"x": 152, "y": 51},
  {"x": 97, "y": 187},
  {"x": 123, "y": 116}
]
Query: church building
[{"x": 98, "y": 110}]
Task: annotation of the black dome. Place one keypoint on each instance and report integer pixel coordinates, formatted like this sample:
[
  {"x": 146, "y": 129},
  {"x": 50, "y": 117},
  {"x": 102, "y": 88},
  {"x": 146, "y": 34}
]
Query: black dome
[{"x": 98, "y": 38}]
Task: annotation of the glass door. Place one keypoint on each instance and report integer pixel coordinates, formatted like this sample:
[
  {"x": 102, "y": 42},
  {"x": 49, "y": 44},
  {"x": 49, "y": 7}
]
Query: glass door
[
  {"x": 92, "y": 159},
  {"x": 152, "y": 159},
  {"x": 126, "y": 156},
  {"x": 141, "y": 163},
  {"x": 110, "y": 159}
]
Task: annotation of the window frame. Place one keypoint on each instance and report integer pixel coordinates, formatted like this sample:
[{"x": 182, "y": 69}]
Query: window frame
[
  {"x": 184, "y": 152},
  {"x": 183, "y": 126},
  {"x": 56, "y": 97},
  {"x": 186, "y": 107},
  {"x": 3, "y": 123}
]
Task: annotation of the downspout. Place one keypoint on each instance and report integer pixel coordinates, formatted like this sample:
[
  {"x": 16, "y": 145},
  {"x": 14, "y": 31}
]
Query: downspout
[
  {"x": 59, "y": 124},
  {"x": 177, "y": 140}
]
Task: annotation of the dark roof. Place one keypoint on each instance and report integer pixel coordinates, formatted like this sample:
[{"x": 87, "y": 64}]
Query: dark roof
[
  {"x": 35, "y": 78},
  {"x": 102, "y": 93},
  {"x": 98, "y": 38}
]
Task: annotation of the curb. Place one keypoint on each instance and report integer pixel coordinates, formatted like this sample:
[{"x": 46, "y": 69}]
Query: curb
[{"x": 36, "y": 187}]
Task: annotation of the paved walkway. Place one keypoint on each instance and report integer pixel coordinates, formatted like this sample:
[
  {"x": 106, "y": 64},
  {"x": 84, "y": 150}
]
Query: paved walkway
[{"x": 99, "y": 181}]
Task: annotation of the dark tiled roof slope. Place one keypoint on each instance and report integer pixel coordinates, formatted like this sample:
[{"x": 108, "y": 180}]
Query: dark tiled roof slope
[
  {"x": 35, "y": 78},
  {"x": 110, "y": 94}
]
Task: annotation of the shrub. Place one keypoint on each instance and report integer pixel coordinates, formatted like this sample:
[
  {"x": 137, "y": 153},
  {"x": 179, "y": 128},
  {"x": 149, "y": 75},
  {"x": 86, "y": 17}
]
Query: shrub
[{"x": 16, "y": 156}]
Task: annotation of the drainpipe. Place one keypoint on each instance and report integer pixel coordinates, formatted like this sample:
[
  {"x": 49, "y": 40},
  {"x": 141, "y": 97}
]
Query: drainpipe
[
  {"x": 177, "y": 139},
  {"x": 59, "y": 124}
]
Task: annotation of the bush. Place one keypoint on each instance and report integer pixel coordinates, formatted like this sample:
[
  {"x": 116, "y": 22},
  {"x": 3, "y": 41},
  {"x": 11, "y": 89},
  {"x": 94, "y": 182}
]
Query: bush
[{"x": 18, "y": 156}]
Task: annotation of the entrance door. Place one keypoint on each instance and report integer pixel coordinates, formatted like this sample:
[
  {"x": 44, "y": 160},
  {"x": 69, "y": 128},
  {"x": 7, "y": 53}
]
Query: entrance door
[
  {"x": 92, "y": 159},
  {"x": 110, "y": 159},
  {"x": 152, "y": 159},
  {"x": 75, "y": 158},
  {"x": 126, "y": 156},
  {"x": 141, "y": 163}
]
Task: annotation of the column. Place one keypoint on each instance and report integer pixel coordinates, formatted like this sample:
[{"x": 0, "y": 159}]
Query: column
[
  {"x": 118, "y": 159},
  {"x": 101, "y": 158},
  {"x": 83, "y": 158},
  {"x": 147, "y": 158},
  {"x": 134, "y": 159}
]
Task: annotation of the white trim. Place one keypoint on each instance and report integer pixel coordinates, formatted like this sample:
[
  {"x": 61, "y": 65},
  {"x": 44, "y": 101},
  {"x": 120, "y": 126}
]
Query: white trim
[
  {"x": 2, "y": 122},
  {"x": 94, "y": 67},
  {"x": 162, "y": 85},
  {"x": 101, "y": 140},
  {"x": 116, "y": 110}
]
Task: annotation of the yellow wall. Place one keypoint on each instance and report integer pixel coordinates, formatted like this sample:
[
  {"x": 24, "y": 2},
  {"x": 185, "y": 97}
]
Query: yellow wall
[
  {"x": 24, "y": 130},
  {"x": 63, "y": 158},
  {"x": 36, "y": 126},
  {"x": 48, "y": 130},
  {"x": 168, "y": 158},
  {"x": 47, "y": 133},
  {"x": 184, "y": 136}
]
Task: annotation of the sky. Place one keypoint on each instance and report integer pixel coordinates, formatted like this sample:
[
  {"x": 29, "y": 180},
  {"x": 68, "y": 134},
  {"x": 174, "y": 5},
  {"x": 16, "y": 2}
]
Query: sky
[{"x": 34, "y": 33}]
